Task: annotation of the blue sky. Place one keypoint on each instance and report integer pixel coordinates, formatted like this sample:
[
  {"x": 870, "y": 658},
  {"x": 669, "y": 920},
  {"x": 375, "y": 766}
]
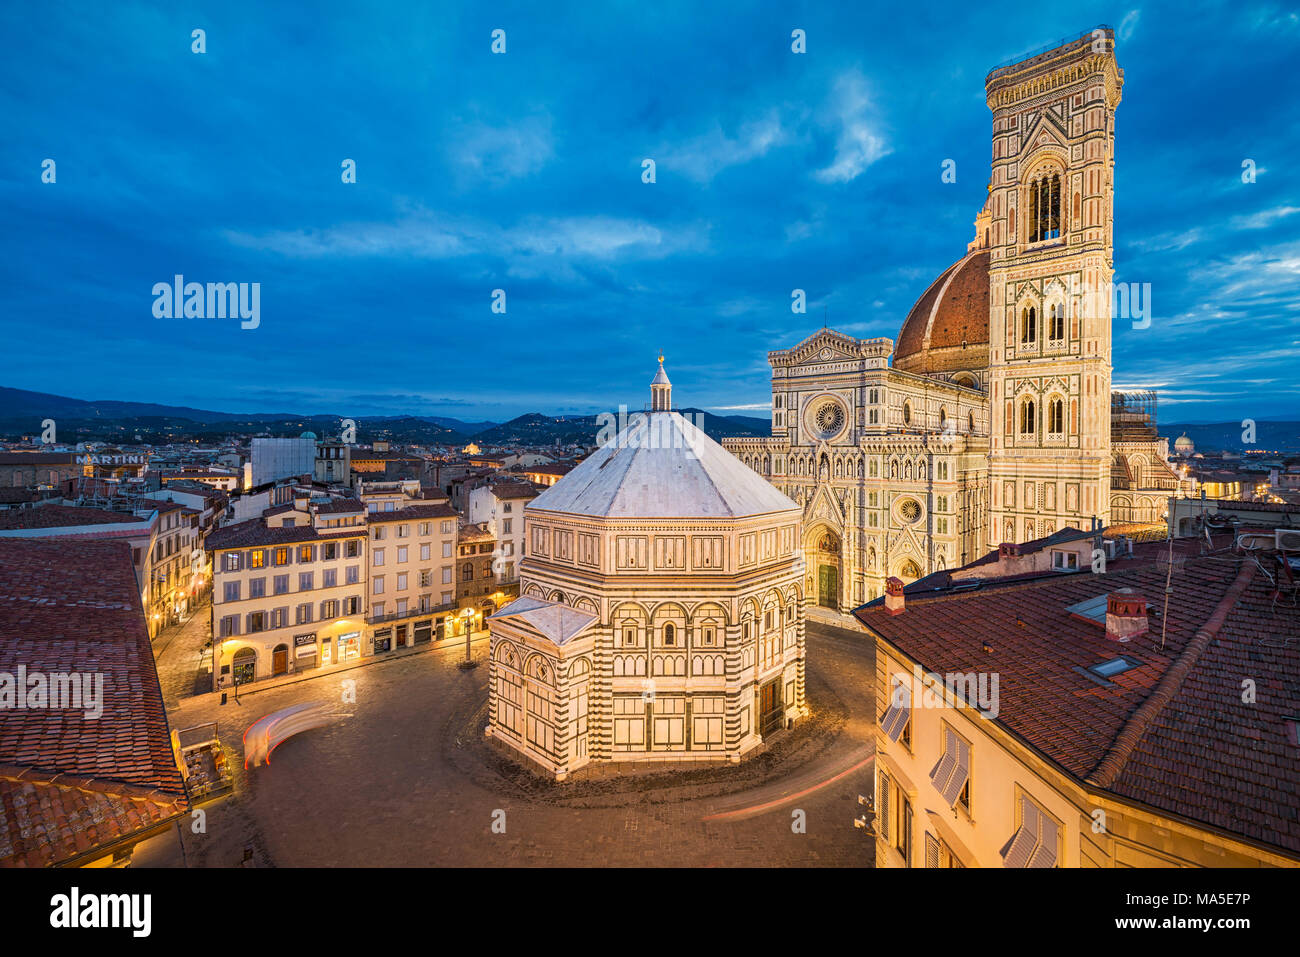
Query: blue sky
[{"x": 522, "y": 172}]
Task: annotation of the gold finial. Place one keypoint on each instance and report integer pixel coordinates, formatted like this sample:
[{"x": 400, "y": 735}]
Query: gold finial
[{"x": 661, "y": 357}]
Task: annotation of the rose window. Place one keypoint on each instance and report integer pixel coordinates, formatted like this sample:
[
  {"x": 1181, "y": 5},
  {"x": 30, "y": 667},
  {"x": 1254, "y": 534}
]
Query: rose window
[{"x": 830, "y": 419}]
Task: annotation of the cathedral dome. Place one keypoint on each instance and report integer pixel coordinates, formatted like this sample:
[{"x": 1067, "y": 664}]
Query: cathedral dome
[
  {"x": 948, "y": 328},
  {"x": 1183, "y": 445}
]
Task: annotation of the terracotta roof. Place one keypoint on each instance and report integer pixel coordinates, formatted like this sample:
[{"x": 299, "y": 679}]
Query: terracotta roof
[
  {"x": 412, "y": 513},
  {"x": 57, "y": 817},
  {"x": 50, "y": 593},
  {"x": 253, "y": 534},
  {"x": 514, "y": 490},
  {"x": 1172, "y": 733},
  {"x": 948, "y": 328},
  {"x": 62, "y": 516},
  {"x": 340, "y": 506},
  {"x": 478, "y": 532}
]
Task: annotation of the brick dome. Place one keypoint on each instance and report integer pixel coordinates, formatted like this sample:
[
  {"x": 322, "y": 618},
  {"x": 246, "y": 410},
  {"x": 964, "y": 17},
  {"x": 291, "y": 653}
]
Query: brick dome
[{"x": 948, "y": 328}]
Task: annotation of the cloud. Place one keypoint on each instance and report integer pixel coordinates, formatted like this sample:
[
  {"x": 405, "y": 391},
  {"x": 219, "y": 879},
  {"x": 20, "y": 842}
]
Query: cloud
[
  {"x": 424, "y": 235},
  {"x": 860, "y": 141},
  {"x": 1264, "y": 218},
  {"x": 1128, "y": 25},
  {"x": 498, "y": 154},
  {"x": 705, "y": 156}
]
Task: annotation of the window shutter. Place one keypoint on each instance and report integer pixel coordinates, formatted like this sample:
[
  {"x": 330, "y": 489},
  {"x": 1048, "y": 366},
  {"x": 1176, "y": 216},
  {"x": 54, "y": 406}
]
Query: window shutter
[
  {"x": 883, "y": 805},
  {"x": 943, "y": 771},
  {"x": 895, "y": 717},
  {"x": 931, "y": 850},
  {"x": 1045, "y": 854},
  {"x": 1026, "y": 838}
]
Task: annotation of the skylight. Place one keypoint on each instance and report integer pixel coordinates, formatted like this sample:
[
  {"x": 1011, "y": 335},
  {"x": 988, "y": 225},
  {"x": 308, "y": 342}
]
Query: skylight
[{"x": 1115, "y": 666}]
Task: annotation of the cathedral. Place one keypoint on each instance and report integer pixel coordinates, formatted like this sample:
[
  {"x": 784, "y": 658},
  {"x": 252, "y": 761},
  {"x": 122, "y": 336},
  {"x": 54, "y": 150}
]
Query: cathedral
[
  {"x": 661, "y": 608},
  {"x": 990, "y": 418}
]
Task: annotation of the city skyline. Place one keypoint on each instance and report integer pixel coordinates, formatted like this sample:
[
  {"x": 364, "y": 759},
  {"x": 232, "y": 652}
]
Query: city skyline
[{"x": 522, "y": 171}]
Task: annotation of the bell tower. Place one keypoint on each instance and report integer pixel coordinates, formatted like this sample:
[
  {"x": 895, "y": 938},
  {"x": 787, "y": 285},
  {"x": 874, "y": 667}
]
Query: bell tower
[{"x": 1051, "y": 262}]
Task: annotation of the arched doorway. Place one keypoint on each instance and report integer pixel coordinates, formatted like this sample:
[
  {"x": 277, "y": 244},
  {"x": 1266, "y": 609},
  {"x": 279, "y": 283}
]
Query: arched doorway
[
  {"x": 909, "y": 571},
  {"x": 243, "y": 669},
  {"x": 824, "y": 561},
  {"x": 280, "y": 660}
]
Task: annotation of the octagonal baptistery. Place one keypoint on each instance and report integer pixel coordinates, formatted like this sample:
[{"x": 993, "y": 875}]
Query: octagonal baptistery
[{"x": 661, "y": 613}]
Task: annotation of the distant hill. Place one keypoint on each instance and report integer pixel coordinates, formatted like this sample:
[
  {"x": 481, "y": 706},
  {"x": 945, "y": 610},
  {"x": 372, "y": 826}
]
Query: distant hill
[
  {"x": 1282, "y": 437},
  {"x": 22, "y": 412},
  {"x": 537, "y": 429}
]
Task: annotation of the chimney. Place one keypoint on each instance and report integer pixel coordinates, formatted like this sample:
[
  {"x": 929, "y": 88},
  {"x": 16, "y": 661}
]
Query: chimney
[
  {"x": 1009, "y": 550},
  {"x": 1126, "y": 615},
  {"x": 894, "y": 600}
]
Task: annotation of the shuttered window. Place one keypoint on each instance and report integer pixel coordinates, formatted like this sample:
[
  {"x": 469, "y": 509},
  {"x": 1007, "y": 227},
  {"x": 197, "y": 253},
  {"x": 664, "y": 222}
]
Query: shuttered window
[
  {"x": 952, "y": 772},
  {"x": 1034, "y": 843},
  {"x": 931, "y": 850},
  {"x": 886, "y": 789},
  {"x": 899, "y": 711}
]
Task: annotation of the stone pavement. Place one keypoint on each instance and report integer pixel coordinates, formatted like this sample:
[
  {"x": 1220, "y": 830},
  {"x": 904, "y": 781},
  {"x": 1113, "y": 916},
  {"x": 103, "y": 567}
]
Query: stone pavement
[
  {"x": 179, "y": 656},
  {"x": 403, "y": 779}
]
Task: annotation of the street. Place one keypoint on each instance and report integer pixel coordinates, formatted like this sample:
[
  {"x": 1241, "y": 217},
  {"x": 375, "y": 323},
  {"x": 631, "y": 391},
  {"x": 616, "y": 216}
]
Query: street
[{"x": 403, "y": 778}]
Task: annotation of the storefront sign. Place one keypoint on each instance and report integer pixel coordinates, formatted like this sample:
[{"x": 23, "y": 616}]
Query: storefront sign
[{"x": 300, "y": 640}]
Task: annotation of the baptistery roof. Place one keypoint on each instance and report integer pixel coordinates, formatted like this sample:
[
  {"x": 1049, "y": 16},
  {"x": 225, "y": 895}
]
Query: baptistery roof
[
  {"x": 948, "y": 328},
  {"x": 662, "y": 466}
]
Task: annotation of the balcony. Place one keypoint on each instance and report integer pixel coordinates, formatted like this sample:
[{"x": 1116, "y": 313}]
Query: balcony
[{"x": 408, "y": 614}]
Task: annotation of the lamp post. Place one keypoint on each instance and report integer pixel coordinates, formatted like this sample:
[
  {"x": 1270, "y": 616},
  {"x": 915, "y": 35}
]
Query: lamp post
[{"x": 468, "y": 616}]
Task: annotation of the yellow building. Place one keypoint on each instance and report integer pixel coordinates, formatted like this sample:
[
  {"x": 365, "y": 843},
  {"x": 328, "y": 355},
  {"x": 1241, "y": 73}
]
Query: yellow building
[{"x": 1055, "y": 721}]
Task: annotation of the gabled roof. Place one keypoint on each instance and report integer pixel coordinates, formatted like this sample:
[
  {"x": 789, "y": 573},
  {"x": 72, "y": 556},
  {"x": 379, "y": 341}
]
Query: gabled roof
[
  {"x": 662, "y": 466},
  {"x": 556, "y": 621}
]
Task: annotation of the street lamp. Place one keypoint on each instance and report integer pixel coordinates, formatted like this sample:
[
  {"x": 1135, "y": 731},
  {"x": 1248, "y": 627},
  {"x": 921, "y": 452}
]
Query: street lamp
[{"x": 468, "y": 616}]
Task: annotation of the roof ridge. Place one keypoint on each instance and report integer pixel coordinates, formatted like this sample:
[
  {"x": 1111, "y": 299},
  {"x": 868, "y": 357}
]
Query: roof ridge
[
  {"x": 722, "y": 499},
  {"x": 1140, "y": 721}
]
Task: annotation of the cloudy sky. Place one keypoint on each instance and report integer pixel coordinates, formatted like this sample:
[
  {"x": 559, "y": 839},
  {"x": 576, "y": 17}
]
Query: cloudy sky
[{"x": 522, "y": 172}]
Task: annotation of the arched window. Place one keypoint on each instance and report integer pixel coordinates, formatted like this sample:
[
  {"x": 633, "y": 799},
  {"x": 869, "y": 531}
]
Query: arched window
[
  {"x": 1056, "y": 417},
  {"x": 1027, "y": 417},
  {"x": 670, "y": 634},
  {"x": 943, "y": 418},
  {"x": 1029, "y": 325},
  {"x": 970, "y": 421},
  {"x": 1056, "y": 322},
  {"x": 467, "y": 572},
  {"x": 1045, "y": 208}
]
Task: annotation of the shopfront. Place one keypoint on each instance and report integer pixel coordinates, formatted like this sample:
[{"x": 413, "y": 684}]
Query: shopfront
[
  {"x": 243, "y": 669},
  {"x": 305, "y": 651},
  {"x": 349, "y": 646},
  {"x": 383, "y": 640}
]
